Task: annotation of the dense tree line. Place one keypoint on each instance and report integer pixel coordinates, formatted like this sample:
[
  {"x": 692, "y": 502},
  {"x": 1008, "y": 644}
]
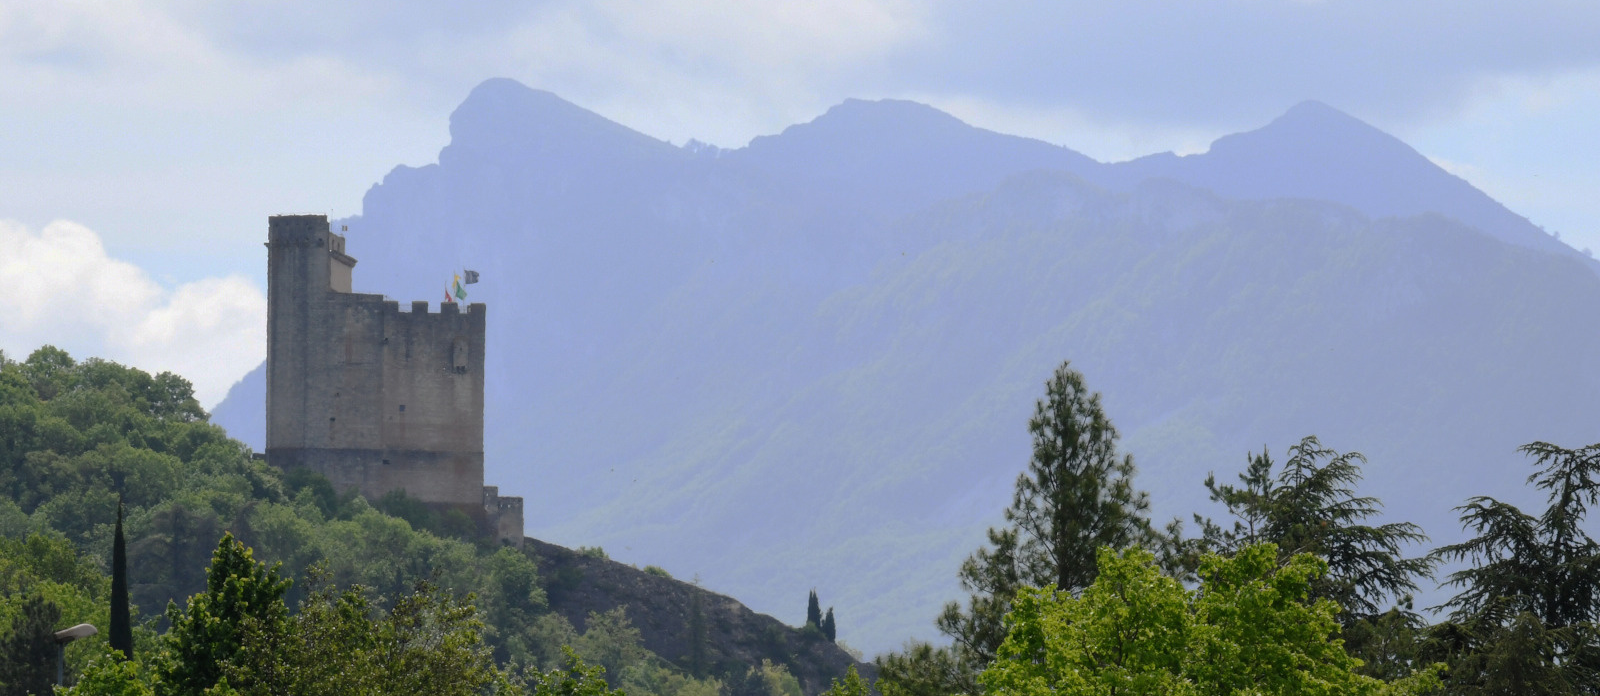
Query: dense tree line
[
  {"x": 1042, "y": 611},
  {"x": 1078, "y": 592}
]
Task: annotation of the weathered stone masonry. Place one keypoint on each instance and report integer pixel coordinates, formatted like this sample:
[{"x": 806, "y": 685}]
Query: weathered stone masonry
[{"x": 374, "y": 398}]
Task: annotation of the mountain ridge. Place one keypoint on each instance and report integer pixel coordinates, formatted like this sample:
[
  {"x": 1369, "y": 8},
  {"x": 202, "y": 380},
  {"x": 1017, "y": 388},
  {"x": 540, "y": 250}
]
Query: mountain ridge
[{"x": 781, "y": 358}]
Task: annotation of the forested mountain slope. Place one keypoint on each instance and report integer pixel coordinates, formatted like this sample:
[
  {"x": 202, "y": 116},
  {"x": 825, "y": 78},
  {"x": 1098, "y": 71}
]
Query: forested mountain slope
[{"x": 810, "y": 362}]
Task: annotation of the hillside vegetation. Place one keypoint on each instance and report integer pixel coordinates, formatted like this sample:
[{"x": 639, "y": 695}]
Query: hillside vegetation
[{"x": 78, "y": 436}]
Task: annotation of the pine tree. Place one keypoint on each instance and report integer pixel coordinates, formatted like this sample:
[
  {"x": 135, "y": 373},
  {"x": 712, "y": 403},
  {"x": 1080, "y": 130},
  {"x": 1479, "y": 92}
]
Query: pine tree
[
  {"x": 813, "y": 611},
  {"x": 1310, "y": 506},
  {"x": 121, "y": 631},
  {"x": 828, "y": 629},
  {"x": 1076, "y": 496},
  {"x": 1528, "y": 609}
]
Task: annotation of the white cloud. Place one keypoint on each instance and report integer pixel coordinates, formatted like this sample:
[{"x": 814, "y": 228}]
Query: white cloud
[
  {"x": 191, "y": 121},
  {"x": 66, "y": 291}
]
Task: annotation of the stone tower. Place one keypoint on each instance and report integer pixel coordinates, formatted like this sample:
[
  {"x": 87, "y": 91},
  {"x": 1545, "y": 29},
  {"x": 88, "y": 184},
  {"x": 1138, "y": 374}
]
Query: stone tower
[{"x": 369, "y": 396}]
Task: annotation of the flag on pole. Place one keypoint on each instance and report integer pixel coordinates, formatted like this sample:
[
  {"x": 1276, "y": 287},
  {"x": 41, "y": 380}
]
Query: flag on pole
[
  {"x": 448, "y": 298},
  {"x": 460, "y": 291},
  {"x": 472, "y": 276}
]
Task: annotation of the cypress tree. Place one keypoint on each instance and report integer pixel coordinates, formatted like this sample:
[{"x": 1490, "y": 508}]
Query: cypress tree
[
  {"x": 121, "y": 632},
  {"x": 697, "y": 634},
  {"x": 813, "y": 611},
  {"x": 827, "y": 625}
]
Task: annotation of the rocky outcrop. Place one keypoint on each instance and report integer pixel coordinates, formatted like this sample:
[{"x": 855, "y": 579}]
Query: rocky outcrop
[{"x": 702, "y": 632}]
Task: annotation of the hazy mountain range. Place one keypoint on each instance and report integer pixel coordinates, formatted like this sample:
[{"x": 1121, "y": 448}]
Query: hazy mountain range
[{"x": 809, "y": 362}]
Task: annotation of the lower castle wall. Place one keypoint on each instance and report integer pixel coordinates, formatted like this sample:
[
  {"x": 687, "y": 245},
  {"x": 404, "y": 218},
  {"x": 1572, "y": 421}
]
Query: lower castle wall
[{"x": 448, "y": 480}]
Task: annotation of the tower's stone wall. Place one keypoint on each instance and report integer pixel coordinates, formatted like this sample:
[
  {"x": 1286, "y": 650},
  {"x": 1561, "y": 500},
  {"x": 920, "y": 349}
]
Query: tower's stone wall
[{"x": 374, "y": 398}]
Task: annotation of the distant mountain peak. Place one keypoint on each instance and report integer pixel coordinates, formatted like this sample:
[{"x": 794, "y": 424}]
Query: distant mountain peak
[
  {"x": 856, "y": 123},
  {"x": 890, "y": 111},
  {"x": 503, "y": 114},
  {"x": 1313, "y": 109},
  {"x": 1315, "y": 151},
  {"x": 1315, "y": 127}
]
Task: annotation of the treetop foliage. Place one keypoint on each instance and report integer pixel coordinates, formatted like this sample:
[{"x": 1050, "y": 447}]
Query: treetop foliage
[
  {"x": 1076, "y": 496},
  {"x": 1077, "y": 493},
  {"x": 242, "y": 596},
  {"x": 1526, "y": 618},
  {"x": 1310, "y": 506},
  {"x": 1251, "y": 627}
]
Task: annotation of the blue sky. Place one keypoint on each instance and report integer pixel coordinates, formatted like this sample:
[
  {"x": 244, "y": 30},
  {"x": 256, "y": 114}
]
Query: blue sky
[{"x": 142, "y": 144}]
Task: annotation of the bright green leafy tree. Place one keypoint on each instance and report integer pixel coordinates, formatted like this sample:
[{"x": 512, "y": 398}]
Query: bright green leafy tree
[
  {"x": 241, "y": 596},
  {"x": 1251, "y": 627},
  {"x": 574, "y": 678},
  {"x": 113, "y": 675},
  {"x": 851, "y": 685}
]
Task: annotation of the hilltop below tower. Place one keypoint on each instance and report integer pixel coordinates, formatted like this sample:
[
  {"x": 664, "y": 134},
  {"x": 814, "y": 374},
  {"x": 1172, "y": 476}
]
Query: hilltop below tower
[{"x": 369, "y": 396}]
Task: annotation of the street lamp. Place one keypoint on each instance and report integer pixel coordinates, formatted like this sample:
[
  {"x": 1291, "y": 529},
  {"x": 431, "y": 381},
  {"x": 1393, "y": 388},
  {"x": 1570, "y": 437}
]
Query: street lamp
[{"x": 62, "y": 637}]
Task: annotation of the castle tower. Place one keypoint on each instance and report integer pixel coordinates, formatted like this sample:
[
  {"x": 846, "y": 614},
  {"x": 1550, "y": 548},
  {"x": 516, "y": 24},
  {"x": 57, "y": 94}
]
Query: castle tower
[{"x": 371, "y": 397}]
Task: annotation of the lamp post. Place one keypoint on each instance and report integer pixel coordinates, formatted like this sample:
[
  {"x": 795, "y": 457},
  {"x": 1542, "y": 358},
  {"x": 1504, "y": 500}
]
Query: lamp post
[{"x": 62, "y": 637}]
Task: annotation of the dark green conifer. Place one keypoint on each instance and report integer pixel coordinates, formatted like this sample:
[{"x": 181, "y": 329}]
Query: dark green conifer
[
  {"x": 121, "y": 630},
  {"x": 813, "y": 611},
  {"x": 828, "y": 629},
  {"x": 1076, "y": 496}
]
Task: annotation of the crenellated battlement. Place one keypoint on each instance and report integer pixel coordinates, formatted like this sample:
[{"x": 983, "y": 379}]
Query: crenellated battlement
[{"x": 374, "y": 398}]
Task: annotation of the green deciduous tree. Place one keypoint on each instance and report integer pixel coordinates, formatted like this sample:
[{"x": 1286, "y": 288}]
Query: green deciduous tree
[
  {"x": 925, "y": 670},
  {"x": 1251, "y": 627},
  {"x": 113, "y": 675},
  {"x": 851, "y": 685},
  {"x": 574, "y": 678},
  {"x": 241, "y": 596},
  {"x": 610, "y": 641}
]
